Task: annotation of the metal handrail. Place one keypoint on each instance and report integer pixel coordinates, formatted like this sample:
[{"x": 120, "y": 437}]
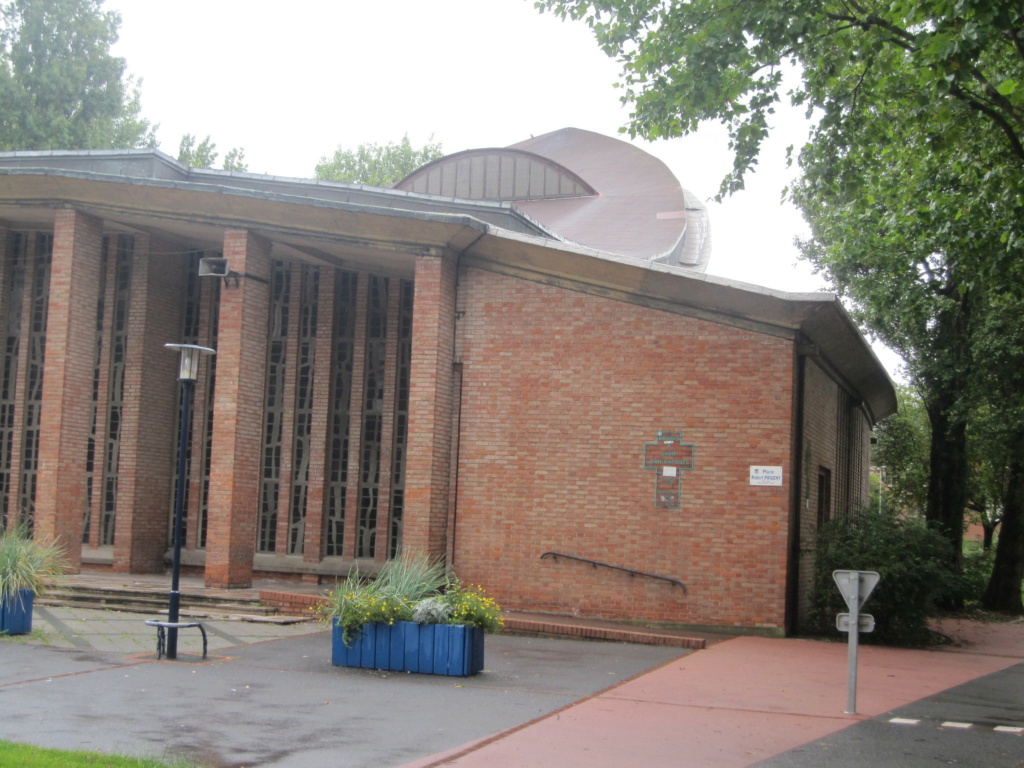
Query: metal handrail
[{"x": 630, "y": 571}]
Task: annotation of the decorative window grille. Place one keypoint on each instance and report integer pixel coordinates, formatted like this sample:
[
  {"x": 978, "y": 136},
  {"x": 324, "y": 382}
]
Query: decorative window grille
[
  {"x": 211, "y": 379},
  {"x": 115, "y": 393},
  {"x": 189, "y": 335},
  {"x": 90, "y": 454},
  {"x": 346, "y": 284},
  {"x": 373, "y": 415},
  {"x": 12, "y": 303},
  {"x": 400, "y": 453},
  {"x": 274, "y": 407},
  {"x": 35, "y": 360},
  {"x": 305, "y": 358}
]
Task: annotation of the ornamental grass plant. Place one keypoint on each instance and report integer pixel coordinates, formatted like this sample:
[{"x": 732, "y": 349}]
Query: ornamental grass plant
[
  {"x": 409, "y": 587},
  {"x": 27, "y": 564}
]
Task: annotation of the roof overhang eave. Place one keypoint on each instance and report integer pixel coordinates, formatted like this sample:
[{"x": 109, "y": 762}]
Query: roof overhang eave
[{"x": 820, "y": 316}]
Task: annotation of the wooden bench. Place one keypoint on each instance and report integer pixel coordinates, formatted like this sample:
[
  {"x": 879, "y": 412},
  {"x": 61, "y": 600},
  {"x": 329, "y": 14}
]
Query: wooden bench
[{"x": 161, "y": 633}]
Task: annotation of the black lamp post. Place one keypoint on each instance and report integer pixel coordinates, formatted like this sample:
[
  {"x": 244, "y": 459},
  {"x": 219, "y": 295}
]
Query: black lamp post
[{"x": 188, "y": 372}]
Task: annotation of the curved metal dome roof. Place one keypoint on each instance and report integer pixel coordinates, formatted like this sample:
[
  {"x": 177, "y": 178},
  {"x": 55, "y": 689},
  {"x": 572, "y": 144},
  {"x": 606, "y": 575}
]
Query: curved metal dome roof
[{"x": 588, "y": 189}]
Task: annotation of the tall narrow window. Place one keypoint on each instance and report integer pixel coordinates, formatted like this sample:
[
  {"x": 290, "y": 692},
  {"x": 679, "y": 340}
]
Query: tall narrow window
[
  {"x": 305, "y": 365},
  {"x": 340, "y": 403},
  {"x": 213, "y": 301},
  {"x": 373, "y": 415},
  {"x": 12, "y": 304},
  {"x": 115, "y": 393},
  {"x": 274, "y": 405},
  {"x": 35, "y": 360},
  {"x": 92, "y": 451},
  {"x": 400, "y": 453},
  {"x": 201, "y": 299},
  {"x": 824, "y": 495}
]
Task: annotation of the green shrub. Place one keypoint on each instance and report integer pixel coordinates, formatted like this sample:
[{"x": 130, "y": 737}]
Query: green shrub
[
  {"x": 410, "y": 587},
  {"x": 391, "y": 596},
  {"x": 977, "y": 569},
  {"x": 27, "y": 564},
  {"x": 911, "y": 560}
]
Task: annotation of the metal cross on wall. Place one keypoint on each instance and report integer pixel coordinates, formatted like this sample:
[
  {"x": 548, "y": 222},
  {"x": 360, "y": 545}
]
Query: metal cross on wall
[{"x": 668, "y": 456}]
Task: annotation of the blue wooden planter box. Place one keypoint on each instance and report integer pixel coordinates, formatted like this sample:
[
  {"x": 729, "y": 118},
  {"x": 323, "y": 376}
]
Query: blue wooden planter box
[
  {"x": 16, "y": 614},
  {"x": 433, "y": 649}
]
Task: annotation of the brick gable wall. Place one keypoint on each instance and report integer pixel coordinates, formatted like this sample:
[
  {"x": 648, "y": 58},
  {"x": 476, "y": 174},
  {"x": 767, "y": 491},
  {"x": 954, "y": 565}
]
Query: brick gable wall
[{"x": 560, "y": 392}]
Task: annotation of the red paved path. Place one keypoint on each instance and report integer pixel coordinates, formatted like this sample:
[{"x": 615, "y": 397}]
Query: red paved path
[{"x": 740, "y": 701}]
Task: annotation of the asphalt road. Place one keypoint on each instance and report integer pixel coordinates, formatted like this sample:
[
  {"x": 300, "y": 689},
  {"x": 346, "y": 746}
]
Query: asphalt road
[
  {"x": 281, "y": 703},
  {"x": 979, "y": 723}
]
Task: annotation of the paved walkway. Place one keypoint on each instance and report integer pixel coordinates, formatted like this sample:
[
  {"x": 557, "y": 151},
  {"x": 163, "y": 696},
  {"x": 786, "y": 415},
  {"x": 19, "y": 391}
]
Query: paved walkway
[
  {"x": 745, "y": 700},
  {"x": 86, "y": 629},
  {"x": 269, "y": 697}
]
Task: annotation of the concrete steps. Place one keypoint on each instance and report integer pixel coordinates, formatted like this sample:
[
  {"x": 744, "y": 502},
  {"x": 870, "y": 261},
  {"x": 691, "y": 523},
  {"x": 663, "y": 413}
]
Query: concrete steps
[
  {"x": 286, "y": 603},
  {"x": 150, "y": 601}
]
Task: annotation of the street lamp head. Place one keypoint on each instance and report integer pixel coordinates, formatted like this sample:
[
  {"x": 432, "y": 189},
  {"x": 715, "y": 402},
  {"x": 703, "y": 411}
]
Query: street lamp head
[{"x": 188, "y": 366}]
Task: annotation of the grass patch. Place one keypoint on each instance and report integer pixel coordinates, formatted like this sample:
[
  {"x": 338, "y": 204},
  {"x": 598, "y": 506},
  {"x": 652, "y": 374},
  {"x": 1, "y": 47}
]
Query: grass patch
[
  {"x": 15, "y": 755},
  {"x": 35, "y": 636}
]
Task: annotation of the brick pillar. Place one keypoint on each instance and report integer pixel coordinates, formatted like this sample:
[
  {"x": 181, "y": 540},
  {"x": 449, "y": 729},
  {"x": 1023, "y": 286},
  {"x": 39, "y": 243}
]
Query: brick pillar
[
  {"x": 430, "y": 406},
  {"x": 67, "y": 380},
  {"x": 238, "y": 413},
  {"x": 150, "y": 414}
]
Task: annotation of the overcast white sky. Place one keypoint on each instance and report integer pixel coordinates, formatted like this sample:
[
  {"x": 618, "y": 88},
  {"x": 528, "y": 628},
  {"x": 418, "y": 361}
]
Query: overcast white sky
[{"x": 290, "y": 82}]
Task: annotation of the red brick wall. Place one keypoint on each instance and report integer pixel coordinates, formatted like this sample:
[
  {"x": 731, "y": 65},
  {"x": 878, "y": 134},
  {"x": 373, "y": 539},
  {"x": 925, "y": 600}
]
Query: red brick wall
[
  {"x": 430, "y": 406},
  {"x": 238, "y": 413},
  {"x": 560, "y": 392},
  {"x": 67, "y": 379},
  {"x": 146, "y": 480},
  {"x": 821, "y": 404},
  {"x": 826, "y": 407}
]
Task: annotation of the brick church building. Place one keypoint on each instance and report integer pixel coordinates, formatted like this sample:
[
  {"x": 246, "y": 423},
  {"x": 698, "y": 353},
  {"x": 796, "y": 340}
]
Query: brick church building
[{"x": 514, "y": 359}]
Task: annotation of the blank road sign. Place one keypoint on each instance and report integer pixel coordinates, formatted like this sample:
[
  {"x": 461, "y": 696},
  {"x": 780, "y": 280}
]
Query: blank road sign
[
  {"x": 865, "y": 622},
  {"x": 858, "y": 583}
]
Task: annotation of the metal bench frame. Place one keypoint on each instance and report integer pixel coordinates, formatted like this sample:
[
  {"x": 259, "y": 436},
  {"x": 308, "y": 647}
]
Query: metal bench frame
[{"x": 161, "y": 633}]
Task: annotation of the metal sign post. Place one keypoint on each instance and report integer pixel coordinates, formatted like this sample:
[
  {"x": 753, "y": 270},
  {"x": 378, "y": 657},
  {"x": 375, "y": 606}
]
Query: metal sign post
[{"x": 856, "y": 586}]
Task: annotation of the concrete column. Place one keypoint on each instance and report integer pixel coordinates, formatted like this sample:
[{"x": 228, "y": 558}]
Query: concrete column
[
  {"x": 430, "y": 406},
  {"x": 150, "y": 411},
  {"x": 238, "y": 413},
  {"x": 65, "y": 421}
]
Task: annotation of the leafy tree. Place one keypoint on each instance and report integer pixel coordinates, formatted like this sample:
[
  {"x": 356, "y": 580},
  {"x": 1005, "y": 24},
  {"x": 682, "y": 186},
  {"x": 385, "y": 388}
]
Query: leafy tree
[
  {"x": 1001, "y": 380},
  {"x": 901, "y": 451},
  {"x": 204, "y": 154},
  {"x": 686, "y": 61},
  {"x": 989, "y": 474},
  {"x": 377, "y": 165},
  {"x": 59, "y": 85},
  {"x": 234, "y": 160},
  {"x": 913, "y": 175}
]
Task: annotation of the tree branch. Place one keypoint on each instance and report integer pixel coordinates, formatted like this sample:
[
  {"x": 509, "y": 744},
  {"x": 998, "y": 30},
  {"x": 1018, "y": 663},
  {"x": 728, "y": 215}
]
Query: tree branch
[
  {"x": 995, "y": 97},
  {"x": 996, "y": 117}
]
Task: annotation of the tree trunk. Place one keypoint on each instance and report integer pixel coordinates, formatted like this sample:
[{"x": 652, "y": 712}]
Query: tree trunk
[
  {"x": 947, "y": 475},
  {"x": 1004, "y": 587},
  {"x": 947, "y": 384},
  {"x": 989, "y": 531}
]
